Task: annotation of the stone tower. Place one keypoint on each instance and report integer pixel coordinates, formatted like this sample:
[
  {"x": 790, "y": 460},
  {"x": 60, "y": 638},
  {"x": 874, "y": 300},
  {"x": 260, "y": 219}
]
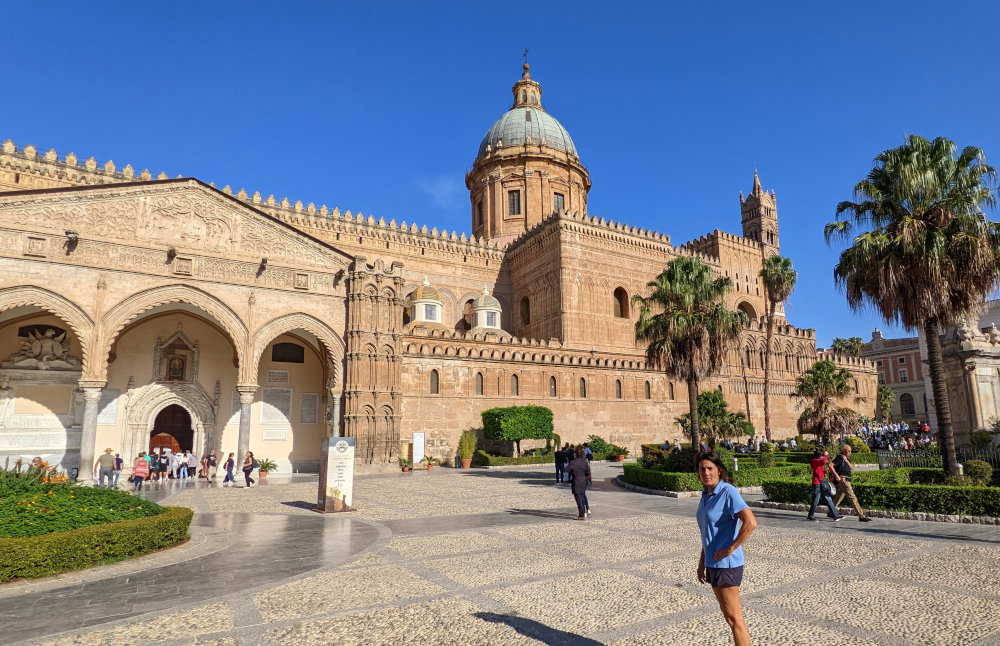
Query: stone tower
[
  {"x": 526, "y": 169},
  {"x": 759, "y": 212}
]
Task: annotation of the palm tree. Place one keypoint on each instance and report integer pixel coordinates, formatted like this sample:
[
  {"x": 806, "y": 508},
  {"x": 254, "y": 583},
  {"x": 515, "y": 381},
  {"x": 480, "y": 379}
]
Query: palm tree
[
  {"x": 923, "y": 253},
  {"x": 885, "y": 400},
  {"x": 853, "y": 346},
  {"x": 687, "y": 327},
  {"x": 779, "y": 281},
  {"x": 821, "y": 388}
]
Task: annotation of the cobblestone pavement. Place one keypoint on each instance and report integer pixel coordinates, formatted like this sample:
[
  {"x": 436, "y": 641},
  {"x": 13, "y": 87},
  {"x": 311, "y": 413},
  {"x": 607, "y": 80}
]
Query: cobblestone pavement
[{"x": 497, "y": 558}]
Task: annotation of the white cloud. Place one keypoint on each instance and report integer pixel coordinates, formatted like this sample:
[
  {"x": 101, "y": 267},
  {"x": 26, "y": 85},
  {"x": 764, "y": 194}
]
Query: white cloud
[{"x": 443, "y": 189}]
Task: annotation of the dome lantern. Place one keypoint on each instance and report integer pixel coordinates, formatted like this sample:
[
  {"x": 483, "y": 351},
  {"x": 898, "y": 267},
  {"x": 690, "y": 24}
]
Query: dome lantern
[
  {"x": 425, "y": 304},
  {"x": 486, "y": 311}
]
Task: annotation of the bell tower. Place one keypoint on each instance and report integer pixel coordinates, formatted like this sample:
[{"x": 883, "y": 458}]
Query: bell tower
[{"x": 759, "y": 213}]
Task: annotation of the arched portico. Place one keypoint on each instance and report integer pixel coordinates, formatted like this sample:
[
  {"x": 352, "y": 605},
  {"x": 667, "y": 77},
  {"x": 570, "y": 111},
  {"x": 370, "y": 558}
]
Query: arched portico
[{"x": 143, "y": 404}]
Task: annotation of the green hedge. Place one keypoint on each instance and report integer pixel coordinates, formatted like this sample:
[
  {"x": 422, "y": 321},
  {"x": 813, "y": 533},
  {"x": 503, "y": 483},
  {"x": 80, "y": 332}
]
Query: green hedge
[
  {"x": 672, "y": 481},
  {"x": 38, "y": 556},
  {"x": 488, "y": 460},
  {"x": 973, "y": 501},
  {"x": 38, "y": 509}
]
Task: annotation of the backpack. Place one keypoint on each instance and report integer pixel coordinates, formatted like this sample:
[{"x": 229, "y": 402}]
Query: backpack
[{"x": 254, "y": 465}]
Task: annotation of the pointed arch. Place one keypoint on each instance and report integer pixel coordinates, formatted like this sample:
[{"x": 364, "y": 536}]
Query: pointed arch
[
  {"x": 129, "y": 308},
  {"x": 78, "y": 320},
  {"x": 298, "y": 321}
]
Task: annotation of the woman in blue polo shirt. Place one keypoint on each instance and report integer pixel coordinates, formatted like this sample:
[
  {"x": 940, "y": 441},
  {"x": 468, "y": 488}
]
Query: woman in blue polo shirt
[{"x": 726, "y": 523}]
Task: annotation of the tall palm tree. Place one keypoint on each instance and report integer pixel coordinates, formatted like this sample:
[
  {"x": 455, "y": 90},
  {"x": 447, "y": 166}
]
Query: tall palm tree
[
  {"x": 779, "y": 281},
  {"x": 853, "y": 346},
  {"x": 822, "y": 387},
  {"x": 923, "y": 253},
  {"x": 687, "y": 327}
]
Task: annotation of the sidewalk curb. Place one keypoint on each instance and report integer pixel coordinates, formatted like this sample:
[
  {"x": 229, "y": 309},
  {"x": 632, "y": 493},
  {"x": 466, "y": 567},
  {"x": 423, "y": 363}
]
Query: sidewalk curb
[{"x": 890, "y": 515}]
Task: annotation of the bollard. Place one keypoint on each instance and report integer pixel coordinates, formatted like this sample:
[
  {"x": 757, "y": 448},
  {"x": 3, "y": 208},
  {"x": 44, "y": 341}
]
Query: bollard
[
  {"x": 961, "y": 469},
  {"x": 736, "y": 465}
]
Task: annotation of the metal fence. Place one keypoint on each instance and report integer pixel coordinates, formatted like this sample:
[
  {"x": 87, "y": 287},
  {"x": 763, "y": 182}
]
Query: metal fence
[
  {"x": 917, "y": 458},
  {"x": 990, "y": 456}
]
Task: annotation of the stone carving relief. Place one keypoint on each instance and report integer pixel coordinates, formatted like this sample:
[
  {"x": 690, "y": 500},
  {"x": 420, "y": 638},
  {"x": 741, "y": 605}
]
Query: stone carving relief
[
  {"x": 185, "y": 216},
  {"x": 44, "y": 351}
]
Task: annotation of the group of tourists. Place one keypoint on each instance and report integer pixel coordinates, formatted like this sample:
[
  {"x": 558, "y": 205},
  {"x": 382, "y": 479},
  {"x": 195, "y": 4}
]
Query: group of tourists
[
  {"x": 163, "y": 465},
  {"x": 898, "y": 436}
]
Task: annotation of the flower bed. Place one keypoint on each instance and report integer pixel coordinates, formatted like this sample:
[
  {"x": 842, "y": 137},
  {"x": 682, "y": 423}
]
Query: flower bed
[
  {"x": 46, "y": 554},
  {"x": 36, "y": 509},
  {"x": 672, "y": 481},
  {"x": 932, "y": 499}
]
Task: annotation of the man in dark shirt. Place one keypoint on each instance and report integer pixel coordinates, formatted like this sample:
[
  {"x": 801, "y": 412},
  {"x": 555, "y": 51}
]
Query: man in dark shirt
[
  {"x": 842, "y": 465},
  {"x": 579, "y": 471},
  {"x": 560, "y": 464}
]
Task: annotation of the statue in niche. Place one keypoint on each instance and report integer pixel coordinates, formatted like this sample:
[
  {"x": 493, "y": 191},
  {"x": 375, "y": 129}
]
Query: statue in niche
[
  {"x": 43, "y": 351},
  {"x": 175, "y": 369}
]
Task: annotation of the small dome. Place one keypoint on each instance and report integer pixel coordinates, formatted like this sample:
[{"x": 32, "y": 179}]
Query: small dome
[
  {"x": 425, "y": 292},
  {"x": 514, "y": 128},
  {"x": 485, "y": 301}
]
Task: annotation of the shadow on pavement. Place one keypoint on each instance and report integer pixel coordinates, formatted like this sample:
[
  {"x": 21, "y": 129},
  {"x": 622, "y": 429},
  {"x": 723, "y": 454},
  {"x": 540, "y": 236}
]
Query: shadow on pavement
[{"x": 535, "y": 630}]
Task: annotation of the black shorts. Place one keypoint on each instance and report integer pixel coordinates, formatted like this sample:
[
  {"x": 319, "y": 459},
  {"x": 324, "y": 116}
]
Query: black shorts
[{"x": 719, "y": 576}]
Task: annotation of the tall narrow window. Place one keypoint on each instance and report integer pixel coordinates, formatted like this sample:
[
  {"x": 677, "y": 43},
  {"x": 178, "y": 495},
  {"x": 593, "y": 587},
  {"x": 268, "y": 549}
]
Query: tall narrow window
[
  {"x": 671, "y": 391},
  {"x": 524, "y": 96},
  {"x": 621, "y": 303},
  {"x": 430, "y": 312},
  {"x": 903, "y": 376},
  {"x": 491, "y": 319},
  {"x": 906, "y": 404},
  {"x": 479, "y": 212},
  {"x": 583, "y": 387},
  {"x": 434, "y": 382},
  {"x": 513, "y": 386},
  {"x": 513, "y": 202},
  {"x": 479, "y": 383},
  {"x": 762, "y": 359},
  {"x": 552, "y": 386},
  {"x": 746, "y": 358},
  {"x": 533, "y": 100},
  {"x": 618, "y": 388},
  {"x": 525, "y": 311},
  {"x": 558, "y": 202},
  {"x": 649, "y": 394}
]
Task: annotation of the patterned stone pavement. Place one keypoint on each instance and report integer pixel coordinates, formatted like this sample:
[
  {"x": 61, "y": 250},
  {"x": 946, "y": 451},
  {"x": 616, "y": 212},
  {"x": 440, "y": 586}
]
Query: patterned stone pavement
[{"x": 496, "y": 558}]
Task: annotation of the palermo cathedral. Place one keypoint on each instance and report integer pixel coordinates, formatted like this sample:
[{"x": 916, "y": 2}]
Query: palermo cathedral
[{"x": 140, "y": 312}]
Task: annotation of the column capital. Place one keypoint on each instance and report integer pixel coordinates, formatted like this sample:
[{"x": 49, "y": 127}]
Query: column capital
[
  {"x": 88, "y": 384},
  {"x": 247, "y": 388}
]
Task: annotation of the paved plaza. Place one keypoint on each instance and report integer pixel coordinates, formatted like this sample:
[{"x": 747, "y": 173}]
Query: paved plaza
[{"x": 496, "y": 557}]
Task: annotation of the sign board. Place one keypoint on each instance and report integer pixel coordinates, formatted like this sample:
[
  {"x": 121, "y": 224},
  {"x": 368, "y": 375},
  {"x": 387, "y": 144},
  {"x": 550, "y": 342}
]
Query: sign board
[
  {"x": 418, "y": 448},
  {"x": 275, "y": 434},
  {"x": 336, "y": 475}
]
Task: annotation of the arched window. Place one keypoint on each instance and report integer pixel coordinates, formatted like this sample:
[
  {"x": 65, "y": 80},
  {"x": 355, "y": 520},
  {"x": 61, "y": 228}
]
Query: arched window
[
  {"x": 533, "y": 101},
  {"x": 649, "y": 394},
  {"x": 746, "y": 358},
  {"x": 671, "y": 391},
  {"x": 621, "y": 304},
  {"x": 479, "y": 212},
  {"x": 467, "y": 315},
  {"x": 525, "y": 311},
  {"x": 857, "y": 391},
  {"x": 788, "y": 364},
  {"x": 406, "y": 315},
  {"x": 583, "y": 387},
  {"x": 552, "y": 386},
  {"x": 762, "y": 359},
  {"x": 524, "y": 96},
  {"x": 618, "y": 388},
  {"x": 479, "y": 383},
  {"x": 906, "y": 404},
  {"x": 513, "y": 386},
  {"x": 434, "y": 382}
]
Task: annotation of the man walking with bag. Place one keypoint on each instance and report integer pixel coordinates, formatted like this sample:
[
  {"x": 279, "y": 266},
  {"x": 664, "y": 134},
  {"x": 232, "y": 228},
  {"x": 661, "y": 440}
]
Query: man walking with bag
[
  {"x": 579, "y": 472},
  {"x": 842, "y": 467}
]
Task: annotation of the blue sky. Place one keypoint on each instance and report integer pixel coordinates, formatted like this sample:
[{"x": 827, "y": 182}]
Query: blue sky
[{"x": 380, "y": 108}]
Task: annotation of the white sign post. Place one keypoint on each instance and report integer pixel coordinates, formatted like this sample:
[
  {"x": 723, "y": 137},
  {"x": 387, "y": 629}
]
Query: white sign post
[
  {"x": 336, "y": 475},
  {"x": 418, "y": 448}
]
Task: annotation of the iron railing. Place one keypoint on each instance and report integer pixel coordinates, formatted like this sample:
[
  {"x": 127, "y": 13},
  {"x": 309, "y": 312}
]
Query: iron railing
[{"x": 916, "y": 458}]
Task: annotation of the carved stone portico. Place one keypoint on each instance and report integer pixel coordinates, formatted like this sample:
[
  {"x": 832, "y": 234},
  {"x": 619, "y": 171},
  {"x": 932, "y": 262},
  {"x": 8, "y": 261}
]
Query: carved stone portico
[{"x": 146, "y": 402}]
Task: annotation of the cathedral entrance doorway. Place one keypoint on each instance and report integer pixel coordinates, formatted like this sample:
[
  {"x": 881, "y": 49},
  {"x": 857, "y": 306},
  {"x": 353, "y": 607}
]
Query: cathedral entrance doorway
[{"x": 172, "y": 430}]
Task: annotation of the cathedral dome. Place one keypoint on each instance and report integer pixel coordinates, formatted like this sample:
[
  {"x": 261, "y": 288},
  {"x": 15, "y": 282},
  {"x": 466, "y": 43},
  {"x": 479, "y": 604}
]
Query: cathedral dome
[
  {"x": 485, "y": 301},
  {"x": 425, "y": 292},
  {"x": 525, "y": 124}
]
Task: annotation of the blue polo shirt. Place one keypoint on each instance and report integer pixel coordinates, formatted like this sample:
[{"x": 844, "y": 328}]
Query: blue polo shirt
[{"x": 719, "y": 525}]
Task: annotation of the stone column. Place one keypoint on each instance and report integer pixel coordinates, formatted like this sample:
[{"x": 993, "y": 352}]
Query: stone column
[
  {"x": 338, "y": 430},
  {"x": 88, "y": 439},
  {"x": 972, "y": 390},
  {"x": 247, "y": 392}
]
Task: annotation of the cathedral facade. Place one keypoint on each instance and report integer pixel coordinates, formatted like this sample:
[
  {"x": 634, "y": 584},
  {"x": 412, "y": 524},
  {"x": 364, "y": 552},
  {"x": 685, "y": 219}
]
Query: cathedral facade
[{"x": 140, "y": 312}]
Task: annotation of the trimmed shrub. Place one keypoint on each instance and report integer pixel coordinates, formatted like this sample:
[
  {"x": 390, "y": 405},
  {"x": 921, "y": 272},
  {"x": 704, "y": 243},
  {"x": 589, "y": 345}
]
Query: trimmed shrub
[
  {"x": 467, "y": 444},
  {"x": 764, "y": 460},
  {"x": 653, "y": 479},
  {"x": 516, "y": 423},
  {"x": 857, "y": 445},
  {"x": 37, "y": 556},
  {"x": 972, "y": 501},
  {"x": 978, "y": 470},
  {"x": 43, "y": 508},
  {"x": 491, "y": 460},
  {"x": 766, "y": 447}
]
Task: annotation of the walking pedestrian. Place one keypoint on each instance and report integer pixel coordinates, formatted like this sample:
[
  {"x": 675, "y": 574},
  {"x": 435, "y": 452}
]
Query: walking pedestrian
[
  {"x": 105, "y": 467},
  {"x": 843, "y": 467},
  {"x": 587, "y": 453},
  {"x": 182, "y": 464},
  {"x": 230, "y": 464},
  {"x": 212, "y": 465},
  {"x": 140, "y": 470},
  {"x": 725, "y": 523},
  {"x": 248, "y": 466},
  {"x": 119, "y": 464},
  {"x": 579, "y": 473},
  {"x": 192, "y": 463},
  {"x": 164, "y": 464},
  {"x": 560, "y": 464},
  {"x": 175, "y": 463},
  {"x": 820, "y": 464}
]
